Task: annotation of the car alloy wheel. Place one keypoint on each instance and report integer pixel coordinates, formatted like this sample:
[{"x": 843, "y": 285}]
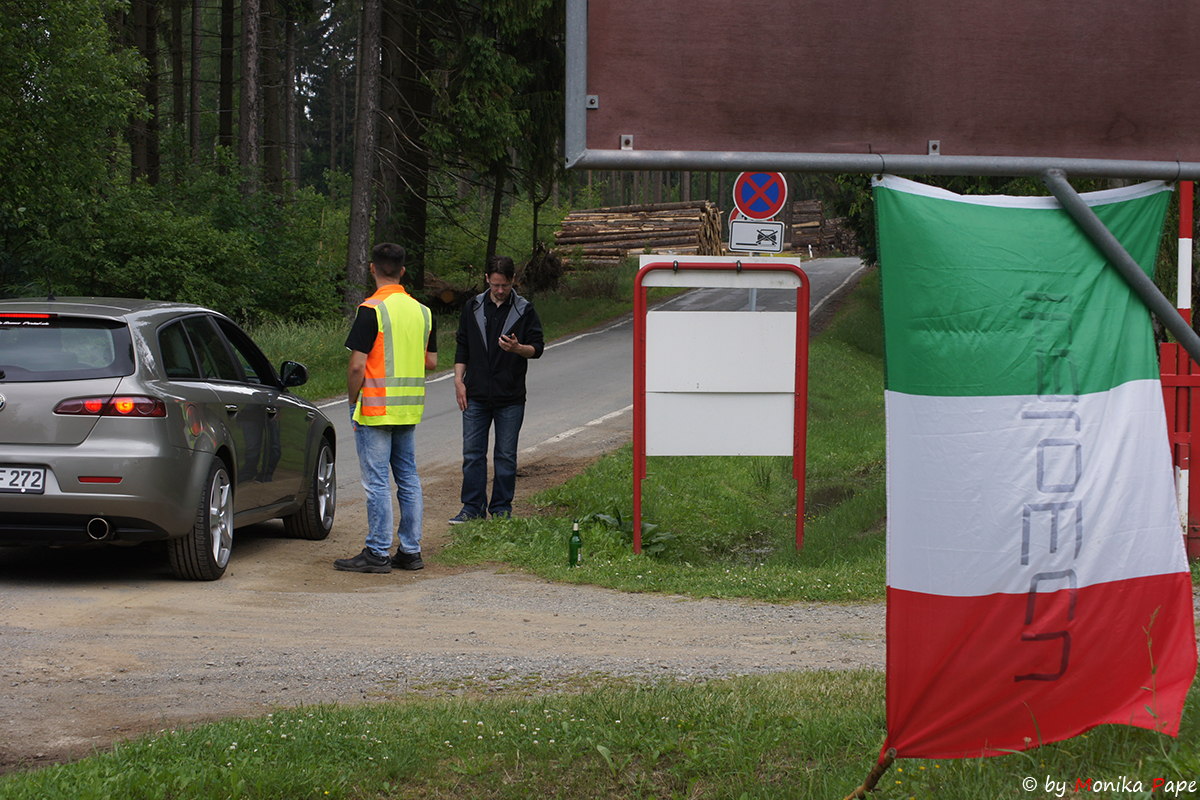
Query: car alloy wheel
[
  {"x": 220, "y": 518},
  {"x": 314, "y": 519},
  {"x": 203, "y": 553},
  {"x": 325, "y": 486}
]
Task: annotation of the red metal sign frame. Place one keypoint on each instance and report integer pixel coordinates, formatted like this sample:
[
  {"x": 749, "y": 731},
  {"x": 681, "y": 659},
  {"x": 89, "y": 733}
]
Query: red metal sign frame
[{"x": 800, "y": 390}]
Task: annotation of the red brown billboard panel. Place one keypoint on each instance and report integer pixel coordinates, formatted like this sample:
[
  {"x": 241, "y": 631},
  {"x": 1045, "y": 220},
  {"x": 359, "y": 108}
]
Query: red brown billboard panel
[{"x": 997, "y": 78}]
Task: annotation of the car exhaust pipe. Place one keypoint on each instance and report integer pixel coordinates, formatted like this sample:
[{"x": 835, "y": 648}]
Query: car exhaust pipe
[{"x": 99, "y": 529}]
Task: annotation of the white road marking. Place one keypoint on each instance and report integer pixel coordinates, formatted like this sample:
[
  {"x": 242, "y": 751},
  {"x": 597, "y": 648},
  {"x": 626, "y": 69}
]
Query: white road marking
[
  {"x": 812, "y": 312},
  {"x": 573, "y": 431}
]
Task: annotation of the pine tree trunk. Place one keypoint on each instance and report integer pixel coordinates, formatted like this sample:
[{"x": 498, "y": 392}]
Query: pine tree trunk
[
  {"x": 272, "y": 91},
  {"x": 366, "y": 111},
  {"x": 388, "y": 200},
  {"x": 250, "y": 108},
  {"x": 291, "y": 108},
  {"x": 178, "y": 85},
  {"x": 143, "y": 129},
  {"x": 335, "y": 94},
  {"x": 225, "y": 100},
  {"x": 194, "y": 122},
  {"x": 153, "y": 93},
  {"x": 499, "y": 176}
]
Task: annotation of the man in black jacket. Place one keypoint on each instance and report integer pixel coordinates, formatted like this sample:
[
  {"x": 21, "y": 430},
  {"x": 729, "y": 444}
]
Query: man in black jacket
[{"x": 497, "y": 335}]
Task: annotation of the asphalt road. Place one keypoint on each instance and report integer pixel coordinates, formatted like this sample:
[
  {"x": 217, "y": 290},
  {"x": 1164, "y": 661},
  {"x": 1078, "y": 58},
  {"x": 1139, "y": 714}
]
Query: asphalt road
[{"x": 581, "y": 389}]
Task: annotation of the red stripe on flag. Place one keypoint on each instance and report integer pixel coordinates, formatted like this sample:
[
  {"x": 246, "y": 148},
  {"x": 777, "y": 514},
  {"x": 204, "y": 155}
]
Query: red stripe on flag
[{"x": 978, "y": 676}]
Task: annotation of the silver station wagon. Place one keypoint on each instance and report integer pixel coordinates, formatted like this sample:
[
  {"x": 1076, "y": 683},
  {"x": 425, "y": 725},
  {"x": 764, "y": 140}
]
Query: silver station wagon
[{"x": 127, "y": 421}]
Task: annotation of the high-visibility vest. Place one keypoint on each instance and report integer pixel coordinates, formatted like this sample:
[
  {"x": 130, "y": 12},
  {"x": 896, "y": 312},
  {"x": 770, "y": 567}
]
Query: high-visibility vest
[{"x": 393, "y": 391}]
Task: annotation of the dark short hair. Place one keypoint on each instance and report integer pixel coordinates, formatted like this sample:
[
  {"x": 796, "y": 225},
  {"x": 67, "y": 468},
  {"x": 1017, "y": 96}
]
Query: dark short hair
[
  {"x": 500, "y": 265},
  {"x": 388, "y": 258}
]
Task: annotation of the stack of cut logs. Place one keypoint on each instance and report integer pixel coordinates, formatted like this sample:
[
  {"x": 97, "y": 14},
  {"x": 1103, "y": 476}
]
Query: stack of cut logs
[
  {"x": 600, "y": 237},
  {"x": 811, "y": 228}
]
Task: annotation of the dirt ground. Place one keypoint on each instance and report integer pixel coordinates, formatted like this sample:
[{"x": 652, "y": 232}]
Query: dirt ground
[{"x": 101, "y": 645}]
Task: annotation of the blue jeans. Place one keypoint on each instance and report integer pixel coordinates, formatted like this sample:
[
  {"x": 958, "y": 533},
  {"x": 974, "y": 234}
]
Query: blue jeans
[
  {"x": 477, "y": 422},
  {"x": 381, "y": 447}
]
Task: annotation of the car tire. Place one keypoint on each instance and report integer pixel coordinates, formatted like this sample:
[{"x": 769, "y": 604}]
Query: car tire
[
  {"x": 203, "y": 553},
  {"x": 314, "y": 520}
]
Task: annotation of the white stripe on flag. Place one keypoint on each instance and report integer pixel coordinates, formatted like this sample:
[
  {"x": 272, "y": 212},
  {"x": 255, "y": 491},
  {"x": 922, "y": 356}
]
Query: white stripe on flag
[{"x": 986, "y": 492}]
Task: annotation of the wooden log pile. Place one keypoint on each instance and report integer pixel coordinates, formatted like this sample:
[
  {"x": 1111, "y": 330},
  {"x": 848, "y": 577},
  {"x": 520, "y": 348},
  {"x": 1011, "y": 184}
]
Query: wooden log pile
[
  {"x": 600, "y": 237},
  {"x": 445, "y": 298},
  {"x": 811, "y": 228},
  {"x": 541, "y": 273}
]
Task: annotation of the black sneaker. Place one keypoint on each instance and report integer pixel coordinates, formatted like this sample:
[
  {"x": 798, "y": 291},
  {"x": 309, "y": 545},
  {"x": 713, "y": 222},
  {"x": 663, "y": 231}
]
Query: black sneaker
[
  {"x": 464, "y": 516},
  {"x": 366, "y": 561},
  {"x": 407, "y": 561}
]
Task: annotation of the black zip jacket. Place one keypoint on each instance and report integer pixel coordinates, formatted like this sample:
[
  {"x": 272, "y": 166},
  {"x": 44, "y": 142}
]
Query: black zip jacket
[{"x": 494, "y": 376}]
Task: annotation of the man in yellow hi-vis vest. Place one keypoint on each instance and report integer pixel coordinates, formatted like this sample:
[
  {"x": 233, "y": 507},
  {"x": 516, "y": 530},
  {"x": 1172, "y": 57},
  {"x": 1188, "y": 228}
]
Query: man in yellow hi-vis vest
[{"x": 392, "y": 343}]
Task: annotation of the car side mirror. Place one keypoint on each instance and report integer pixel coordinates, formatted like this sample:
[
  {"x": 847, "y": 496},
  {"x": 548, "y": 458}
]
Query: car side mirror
[{"x": 293, "y": 373}]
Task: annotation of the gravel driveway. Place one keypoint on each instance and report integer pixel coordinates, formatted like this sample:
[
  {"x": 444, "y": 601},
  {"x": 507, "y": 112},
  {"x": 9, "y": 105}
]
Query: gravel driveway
[{"x": 101, "y": 645}]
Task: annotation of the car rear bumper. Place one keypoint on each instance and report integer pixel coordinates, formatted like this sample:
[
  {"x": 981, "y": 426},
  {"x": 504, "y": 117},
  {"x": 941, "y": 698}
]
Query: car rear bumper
[
  {"x": 156, "y": 497},
  {"x": 63, "y": 529}
]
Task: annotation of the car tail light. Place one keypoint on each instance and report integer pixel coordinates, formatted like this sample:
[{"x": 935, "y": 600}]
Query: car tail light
[
  {"x": 9, "y": 315},
  {"x": 119, "y": 406}
]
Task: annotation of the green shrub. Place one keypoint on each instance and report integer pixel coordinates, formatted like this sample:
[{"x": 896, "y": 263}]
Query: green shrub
[{"x": 201, "y": 242}]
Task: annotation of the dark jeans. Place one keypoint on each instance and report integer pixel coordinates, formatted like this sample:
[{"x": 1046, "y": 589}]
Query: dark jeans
[{"x": 477, "y": 422}]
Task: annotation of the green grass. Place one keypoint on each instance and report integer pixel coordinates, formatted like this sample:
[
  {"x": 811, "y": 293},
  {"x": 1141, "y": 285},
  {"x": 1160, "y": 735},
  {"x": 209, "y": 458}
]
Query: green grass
[
  {"x": 802, "y": 735},
  {"x": 320, "y": 346},
  {"x": 726, "y": 527}
]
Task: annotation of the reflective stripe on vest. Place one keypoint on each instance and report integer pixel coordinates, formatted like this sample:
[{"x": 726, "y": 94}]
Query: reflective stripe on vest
[{"x": 393, "y": 390}]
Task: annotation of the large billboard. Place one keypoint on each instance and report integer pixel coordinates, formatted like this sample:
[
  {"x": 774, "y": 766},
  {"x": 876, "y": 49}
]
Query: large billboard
[{"x": 707, "y": 84}]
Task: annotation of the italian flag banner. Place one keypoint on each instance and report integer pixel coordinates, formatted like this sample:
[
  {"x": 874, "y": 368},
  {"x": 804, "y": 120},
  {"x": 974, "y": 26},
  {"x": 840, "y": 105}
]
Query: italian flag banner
[{"x": 1037, "y": 582}]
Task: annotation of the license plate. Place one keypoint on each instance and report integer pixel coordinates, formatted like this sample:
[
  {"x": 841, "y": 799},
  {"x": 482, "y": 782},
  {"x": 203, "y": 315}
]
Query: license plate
[{"x": 23, "y": 480}]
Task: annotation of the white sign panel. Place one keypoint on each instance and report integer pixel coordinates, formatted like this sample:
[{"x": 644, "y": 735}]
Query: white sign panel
[{"x": 720, "y": 383}]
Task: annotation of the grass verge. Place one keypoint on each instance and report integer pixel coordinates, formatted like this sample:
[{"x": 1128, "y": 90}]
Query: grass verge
[{"x": 801, "y": 735}]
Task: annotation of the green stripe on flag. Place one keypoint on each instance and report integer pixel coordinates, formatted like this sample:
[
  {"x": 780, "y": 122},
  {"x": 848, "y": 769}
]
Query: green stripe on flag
[{"x": 1006, "y": 299}]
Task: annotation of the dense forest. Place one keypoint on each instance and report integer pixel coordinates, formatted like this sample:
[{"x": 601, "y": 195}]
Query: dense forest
[{"x": 244, "y": 154}]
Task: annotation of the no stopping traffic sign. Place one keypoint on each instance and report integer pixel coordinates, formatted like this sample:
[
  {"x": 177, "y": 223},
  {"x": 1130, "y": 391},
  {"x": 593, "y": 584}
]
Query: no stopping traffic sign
[{"x": 760, "y": 195}]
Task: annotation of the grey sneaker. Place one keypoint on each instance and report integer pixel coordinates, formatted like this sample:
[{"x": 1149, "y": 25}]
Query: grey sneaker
[
  {"x": 410, "y": 561},
  {"x": 366, "y": 561}
]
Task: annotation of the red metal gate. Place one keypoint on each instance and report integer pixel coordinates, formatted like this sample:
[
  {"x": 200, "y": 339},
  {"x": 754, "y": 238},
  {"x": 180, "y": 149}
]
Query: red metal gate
[{"x": 1181, "y": 393}]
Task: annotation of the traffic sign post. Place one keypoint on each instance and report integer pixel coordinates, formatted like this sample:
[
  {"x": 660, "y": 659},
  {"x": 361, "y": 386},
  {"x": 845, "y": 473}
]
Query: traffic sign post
[
  {"x": 760, "y": 195},
  {"x": 759, "y": 395}
]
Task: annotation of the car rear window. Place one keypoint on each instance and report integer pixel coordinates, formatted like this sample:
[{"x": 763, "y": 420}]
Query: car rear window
[{"x": 49, "y": 347}]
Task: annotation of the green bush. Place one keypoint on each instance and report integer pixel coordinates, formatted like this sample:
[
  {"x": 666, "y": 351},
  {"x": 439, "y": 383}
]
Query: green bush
[{"x": 253, "y": 258}]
